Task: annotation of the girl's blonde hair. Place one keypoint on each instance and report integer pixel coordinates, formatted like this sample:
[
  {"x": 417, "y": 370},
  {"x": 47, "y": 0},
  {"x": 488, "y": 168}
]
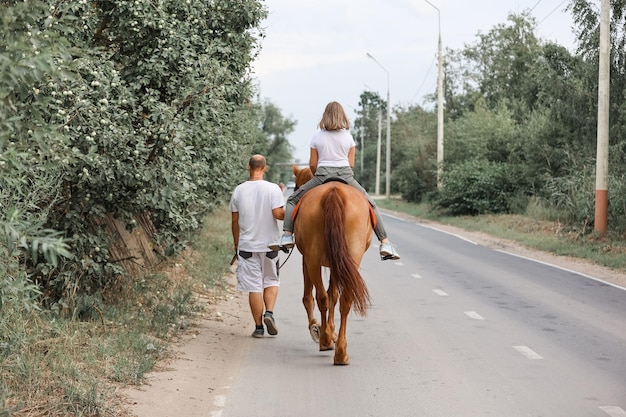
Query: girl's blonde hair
[{"x": 334, "y": 117}]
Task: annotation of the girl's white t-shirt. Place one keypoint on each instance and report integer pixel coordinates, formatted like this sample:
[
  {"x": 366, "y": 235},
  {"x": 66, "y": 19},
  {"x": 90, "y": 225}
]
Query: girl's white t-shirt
[
  {"x": 333, "y": 147},
  {"x": 254, "y": 201}
]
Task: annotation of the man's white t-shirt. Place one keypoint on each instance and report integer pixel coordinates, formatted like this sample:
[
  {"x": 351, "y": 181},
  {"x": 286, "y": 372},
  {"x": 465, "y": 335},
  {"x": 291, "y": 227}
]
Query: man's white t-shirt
[
  {"x": 254, "y": 201},
  {"x": 333, "y": 147}
]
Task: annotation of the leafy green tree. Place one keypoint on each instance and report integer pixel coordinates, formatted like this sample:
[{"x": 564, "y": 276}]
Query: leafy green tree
[
  {"x": 413, "y": 152},
  {"x": 366, "y": 126},
  {"x": 273, "y": 142},
  {"x": 495, "y": 69},
  {"x": 134, "y": 109},
  {"x": 587, "y": 17}
]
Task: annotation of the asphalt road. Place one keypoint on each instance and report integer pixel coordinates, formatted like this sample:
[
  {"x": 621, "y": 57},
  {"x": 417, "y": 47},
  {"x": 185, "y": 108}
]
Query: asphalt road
[{"x": 455, "y": 329}]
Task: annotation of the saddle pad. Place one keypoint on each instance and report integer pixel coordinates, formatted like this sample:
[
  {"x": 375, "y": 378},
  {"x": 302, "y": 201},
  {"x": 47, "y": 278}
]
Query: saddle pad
[{"x": 295, "y": 212}]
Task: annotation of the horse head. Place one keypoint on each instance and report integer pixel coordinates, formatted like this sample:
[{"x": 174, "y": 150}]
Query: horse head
[{"x": 302, "y": 175}]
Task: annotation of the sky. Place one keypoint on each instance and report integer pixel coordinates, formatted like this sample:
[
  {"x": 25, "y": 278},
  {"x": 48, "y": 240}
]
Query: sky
[{"x": 315, "y": 52}]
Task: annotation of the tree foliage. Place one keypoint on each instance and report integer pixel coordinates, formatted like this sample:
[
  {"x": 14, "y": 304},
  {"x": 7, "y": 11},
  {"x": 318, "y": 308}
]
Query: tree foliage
[
  {"x": 125, "y": 108},
  {"x": 273, "y": 143},
  {"x": 520, "y": 123}
]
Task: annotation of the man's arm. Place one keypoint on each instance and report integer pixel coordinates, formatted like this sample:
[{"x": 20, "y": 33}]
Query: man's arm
[
  {"x": 279, "y": 213},
  {"x": 234, "y": 226}
]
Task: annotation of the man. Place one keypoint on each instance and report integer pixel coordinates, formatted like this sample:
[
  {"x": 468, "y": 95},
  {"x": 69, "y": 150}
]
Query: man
[{"x": 256, "y": 206}]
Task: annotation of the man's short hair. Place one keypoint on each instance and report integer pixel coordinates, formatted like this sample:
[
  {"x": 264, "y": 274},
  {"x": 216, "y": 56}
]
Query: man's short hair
[{"x": 257, "y": 162}]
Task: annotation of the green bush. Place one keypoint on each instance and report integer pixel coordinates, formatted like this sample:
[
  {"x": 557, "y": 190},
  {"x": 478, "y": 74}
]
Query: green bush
[{"x": 477, "y": 187}]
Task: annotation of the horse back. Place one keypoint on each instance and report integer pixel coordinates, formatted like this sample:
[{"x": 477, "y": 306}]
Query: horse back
[{"x": 309, "y": 223}]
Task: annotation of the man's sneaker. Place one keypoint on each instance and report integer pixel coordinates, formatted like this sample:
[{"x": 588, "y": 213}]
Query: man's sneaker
[
  {"x": 258, "y": 332},
  {"x": 286, "y": 241},
  {"x": 268, "y": 319},
  {"x": 388, "y": 252}
]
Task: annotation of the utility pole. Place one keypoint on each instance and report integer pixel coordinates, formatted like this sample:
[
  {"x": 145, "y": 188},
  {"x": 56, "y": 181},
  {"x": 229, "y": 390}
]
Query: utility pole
[
  {"x": 439, "y": 103},
  {"x": 377, "y": 190},
  {"x": 388, "y": 150},
  {"x": 362, "y": 141},
  {"x": 602, "y": 154}
]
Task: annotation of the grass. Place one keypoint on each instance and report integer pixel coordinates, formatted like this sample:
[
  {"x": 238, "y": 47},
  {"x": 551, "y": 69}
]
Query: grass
[
  {"x": 531, "y": 230},
  {"x": 58, "y": 366}
]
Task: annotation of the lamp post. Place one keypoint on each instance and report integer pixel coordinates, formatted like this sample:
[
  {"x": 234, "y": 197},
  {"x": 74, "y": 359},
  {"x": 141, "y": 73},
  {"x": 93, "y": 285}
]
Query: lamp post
[
  {"x": 439, "y": 105},
  {"x": 388, "y": 153}
]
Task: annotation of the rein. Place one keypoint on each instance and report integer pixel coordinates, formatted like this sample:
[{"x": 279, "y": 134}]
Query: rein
[{"x": 287, "y": 258}]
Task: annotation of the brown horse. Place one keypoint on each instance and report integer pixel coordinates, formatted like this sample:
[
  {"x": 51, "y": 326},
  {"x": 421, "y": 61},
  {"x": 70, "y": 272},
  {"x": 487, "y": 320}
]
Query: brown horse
[{"x": 333, "y": 228}]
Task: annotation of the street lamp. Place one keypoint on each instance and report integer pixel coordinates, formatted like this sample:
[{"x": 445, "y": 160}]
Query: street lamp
[
  {"x": 439, "y": 106},
  {"x": 388, "y": 154}
]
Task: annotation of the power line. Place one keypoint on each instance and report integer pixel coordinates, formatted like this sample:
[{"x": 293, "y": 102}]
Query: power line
[
  {"x": 536, "y": 4},
  {"x": 555, "y": 9},
  {"x": 425, "y": 78}
]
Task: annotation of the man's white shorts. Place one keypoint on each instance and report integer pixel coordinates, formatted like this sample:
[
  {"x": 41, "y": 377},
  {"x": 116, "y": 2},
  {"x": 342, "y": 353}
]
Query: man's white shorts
[{"x": 257, "y": 270}]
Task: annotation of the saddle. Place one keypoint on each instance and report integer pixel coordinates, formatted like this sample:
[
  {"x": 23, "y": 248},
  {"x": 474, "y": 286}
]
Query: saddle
[{"x": 327, "y": 180}]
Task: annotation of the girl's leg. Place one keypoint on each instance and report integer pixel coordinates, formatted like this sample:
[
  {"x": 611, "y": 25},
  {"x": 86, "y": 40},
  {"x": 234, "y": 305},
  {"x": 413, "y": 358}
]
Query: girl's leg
[
  {"x": 293, "y": 199},
  {"x": 387, "y": 251},
  {"x": 379, "y": 230}
]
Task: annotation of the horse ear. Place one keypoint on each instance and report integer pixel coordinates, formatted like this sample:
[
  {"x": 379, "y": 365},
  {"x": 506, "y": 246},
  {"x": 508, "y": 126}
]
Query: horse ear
[{"x": 294, "y": 168}]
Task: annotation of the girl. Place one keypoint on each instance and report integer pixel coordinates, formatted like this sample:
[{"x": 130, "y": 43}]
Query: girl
[{"x": 332, "y": 155}]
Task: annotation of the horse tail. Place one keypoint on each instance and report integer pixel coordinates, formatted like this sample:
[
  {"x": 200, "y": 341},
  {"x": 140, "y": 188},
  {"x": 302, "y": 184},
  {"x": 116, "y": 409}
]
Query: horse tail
[{"x": 343, "y": 269}]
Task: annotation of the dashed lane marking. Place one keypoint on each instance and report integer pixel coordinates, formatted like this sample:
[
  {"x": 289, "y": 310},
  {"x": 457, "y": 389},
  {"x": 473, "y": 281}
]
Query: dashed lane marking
[
  {"x": 440, "y": 292},
  {"x": 527, "y": 352},
  {"x": 613, "y": 411},
  {"x": 474, "y": 315},
  {"x": 416, "y": 276}
]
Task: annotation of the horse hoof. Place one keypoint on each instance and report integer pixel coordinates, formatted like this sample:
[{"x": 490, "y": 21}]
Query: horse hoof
[
  {"x": 343, "y": 362},
  {"x": 315, "y": 332}
]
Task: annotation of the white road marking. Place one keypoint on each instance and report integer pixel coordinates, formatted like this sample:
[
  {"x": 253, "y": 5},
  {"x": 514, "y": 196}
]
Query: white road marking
[
  {"x": 528, "y": 352},
  {"x": 399, "y": 263},
  {"x": 416, "y": 276},
  {"x": 474, "y": 315},
  {"x": 613, "y": 411},
  {"x": 441, "y": 293},
  {"x": 451, "y": 234},
  {"x": 564, "y": 269}
]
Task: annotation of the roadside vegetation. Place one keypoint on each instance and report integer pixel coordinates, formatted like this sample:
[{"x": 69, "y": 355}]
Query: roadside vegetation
[
  {"x": 54, "y": 365},
  {"x": 535, "y": 229}
]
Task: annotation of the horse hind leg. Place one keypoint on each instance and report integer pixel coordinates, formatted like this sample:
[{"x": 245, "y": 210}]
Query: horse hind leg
[
  {"x": 333, "y": 296},
  {"x": 309, "y": 306},
  {"x": 327, "y": 341},
  {"x": 341, "y": 347}
]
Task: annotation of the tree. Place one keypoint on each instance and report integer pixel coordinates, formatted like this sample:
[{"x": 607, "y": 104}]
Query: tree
[
  {"x": 272, "y": 142},
  {"x": 496, "y": 68},
  {"x": 130, "y": 111},
  {"x": 414, "y": 152},
  {"x": 366, "y": 125}
]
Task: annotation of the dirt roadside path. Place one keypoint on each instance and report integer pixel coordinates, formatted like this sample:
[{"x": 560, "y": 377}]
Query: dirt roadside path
[
  {"x": 207, "y": 357},
  {"x": 196, "y": 382}
]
